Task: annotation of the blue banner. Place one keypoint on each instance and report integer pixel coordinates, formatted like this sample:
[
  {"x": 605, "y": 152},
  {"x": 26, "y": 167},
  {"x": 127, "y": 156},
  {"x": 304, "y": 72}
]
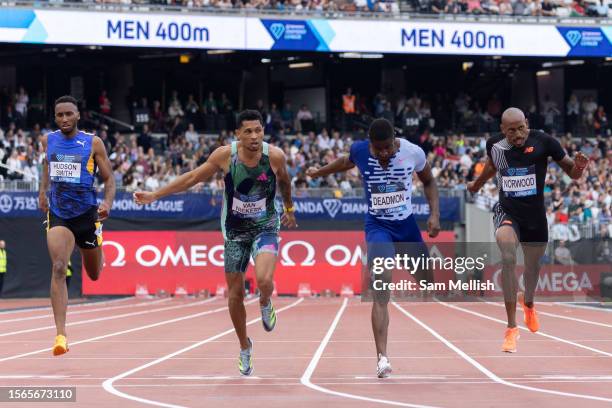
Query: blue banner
[{"x": 206, "y": 207}]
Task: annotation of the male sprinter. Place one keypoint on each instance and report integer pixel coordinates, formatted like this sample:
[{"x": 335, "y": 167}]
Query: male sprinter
[
  {"x": 386, "y": 165},
  {"x": 73, "y": 215},
  {"x": 249, "y": 221},
  {"x": 519, "y": 157}
]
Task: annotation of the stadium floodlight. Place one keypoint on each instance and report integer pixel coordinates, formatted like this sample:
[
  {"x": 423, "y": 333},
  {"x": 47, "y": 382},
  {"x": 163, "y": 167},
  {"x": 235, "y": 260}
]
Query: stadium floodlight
[
  {"x": 301, "y": 65},
  {"x": 266, "y": 60},
  {"x": 467, "y": 65},
  {"x": 219, "y": 52},
  {"x": 360, "y": 55},
  {"x": 542, "y": 73}
]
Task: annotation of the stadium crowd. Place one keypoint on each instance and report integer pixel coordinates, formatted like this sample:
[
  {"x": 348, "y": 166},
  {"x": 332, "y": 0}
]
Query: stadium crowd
[
  {"x": 147, "y": 160},
  {"x": 542, "y": 8}
]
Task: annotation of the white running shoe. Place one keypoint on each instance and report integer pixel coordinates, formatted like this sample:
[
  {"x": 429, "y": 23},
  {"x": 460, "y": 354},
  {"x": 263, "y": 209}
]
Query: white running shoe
[{"x": 384, "y": 367}]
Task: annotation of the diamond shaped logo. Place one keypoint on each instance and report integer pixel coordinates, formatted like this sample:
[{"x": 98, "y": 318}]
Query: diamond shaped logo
[
  {"x": 332, "y": 206},
  {"x": 511, "y": 171},
  {"x": 573, "y": 37},
  {"x": 382, "y": 188},
  {"x": 60, "y": 157},
  {"x": 277, "y": 30}
]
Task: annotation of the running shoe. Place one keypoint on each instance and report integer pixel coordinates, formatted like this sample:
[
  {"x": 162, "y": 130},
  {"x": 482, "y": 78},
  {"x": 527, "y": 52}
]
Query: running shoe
[
  {"x": 510, "y": 338},
  {"x": 245, "y": 361},
  {"x": 384, "y": 367},
  {"x": 531, "y": 317},
  {"x": 268, "y": 316},
  {"x": 61, "y": 345}
]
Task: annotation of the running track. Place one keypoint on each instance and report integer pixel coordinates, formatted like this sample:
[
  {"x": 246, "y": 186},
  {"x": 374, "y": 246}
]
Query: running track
[{"x": 182, "y": 352}]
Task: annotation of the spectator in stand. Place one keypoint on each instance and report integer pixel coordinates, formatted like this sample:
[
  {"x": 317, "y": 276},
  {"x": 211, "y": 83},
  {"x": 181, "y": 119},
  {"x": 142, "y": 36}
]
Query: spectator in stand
[
  {"x": 548, "y": 8},
  {"x": 175, "y": 110},
  {"x": 288, "y": 116},
  {"x": 145, "y": 139},
  {"x": 505, "y": 8},
  {"x": 210, "y": 104},
  {"x": 572, "y": 112},
  {"x": 21, "y": 106},
  {"x": 104, "y": 103},
  {"x": 600, "y": 122}
]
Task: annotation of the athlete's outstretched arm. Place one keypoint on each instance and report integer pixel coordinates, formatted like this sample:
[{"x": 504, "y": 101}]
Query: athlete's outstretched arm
[
  {"x": 337, "y": 166},
  {"x": 431, "y": 192},
  {"x": 43, "y": 203},
  {"x": 278, "y": 162},
  {"x": 575, "y": 167},
  {"x": 488, "y": 172},
  {"x": 185, "y": 181},
  {"x": 106, "y": 173}
]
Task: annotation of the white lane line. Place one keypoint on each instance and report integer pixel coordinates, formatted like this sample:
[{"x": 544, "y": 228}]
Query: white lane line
[
  {"x": 108, "y": 384},
  {"x": 540, "y": 333},
  {"x": 70, "y": 313},
  {"x": 600, "y": 309},
  {"x": 305, "y": 380},
  {"x": 558, "y": 316},
  {"x": 486, "y": 371},
  {"x": 103, "y": 319},
  {"x": 117, "y": 333},
  {"x": 81, "y": 304}
]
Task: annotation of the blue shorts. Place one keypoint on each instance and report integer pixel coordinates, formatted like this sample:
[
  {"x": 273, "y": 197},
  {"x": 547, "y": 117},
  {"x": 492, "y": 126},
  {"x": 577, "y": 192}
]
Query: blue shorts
[{"x": 387, "y": 238}]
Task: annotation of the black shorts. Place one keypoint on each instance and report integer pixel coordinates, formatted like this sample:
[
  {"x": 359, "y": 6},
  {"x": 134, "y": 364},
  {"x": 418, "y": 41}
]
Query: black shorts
[
  {"x": 534, "y": 231},
  {"x": 86, "y": 228}
]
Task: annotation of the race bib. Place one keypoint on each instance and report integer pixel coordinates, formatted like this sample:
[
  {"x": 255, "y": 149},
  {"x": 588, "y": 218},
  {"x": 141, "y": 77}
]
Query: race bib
[
  {"x": 385, "y": 201},
  {"x": 249, "y": 209},
  {"x": 519, "y": 181},
  {"x": 65, "y": 168}
]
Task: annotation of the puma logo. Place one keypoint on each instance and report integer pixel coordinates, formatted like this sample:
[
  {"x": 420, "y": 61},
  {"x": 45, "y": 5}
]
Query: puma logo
[
  {"x": 93, "y": 244},
  {"x": 81, "y": 142}
]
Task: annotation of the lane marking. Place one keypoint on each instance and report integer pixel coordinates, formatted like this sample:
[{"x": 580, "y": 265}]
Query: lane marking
[
  {"x": 108, "y": 384},
  {"x": 80, "y": 304},
  {"x": 486, "y": 371},
  {"x": 117, "y": 333},
  {"x": 539, "y": 333},
  {"x": 106, "y": 318},
  {"x": 69, "y": 313},
  {"x": 575, "y": 319},
  {"x": 306, "y": 377}
]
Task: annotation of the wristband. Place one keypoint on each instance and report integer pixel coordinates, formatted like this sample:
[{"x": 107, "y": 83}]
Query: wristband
[{"x": 290, "y": 209}]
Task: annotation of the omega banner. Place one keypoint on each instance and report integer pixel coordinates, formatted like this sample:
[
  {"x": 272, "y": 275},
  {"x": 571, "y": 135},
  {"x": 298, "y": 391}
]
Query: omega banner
[{"x": 194, "y": 260}]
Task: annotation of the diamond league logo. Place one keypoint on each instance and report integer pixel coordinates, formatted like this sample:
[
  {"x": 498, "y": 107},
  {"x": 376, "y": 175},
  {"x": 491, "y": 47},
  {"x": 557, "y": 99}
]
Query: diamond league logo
[
  {"x": 332, "y": 206},
  {"x": 573, "y": 37},
  {"x": 6, "y": 203},
  {"x": 277, "y": 30},
  {"x": 60, "y": 157},
  {"x": 511, "y": 171}
]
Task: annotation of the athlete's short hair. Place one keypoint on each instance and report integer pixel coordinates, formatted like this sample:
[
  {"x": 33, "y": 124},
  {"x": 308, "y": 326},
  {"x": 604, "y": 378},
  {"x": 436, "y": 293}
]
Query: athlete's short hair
[
  {"x": 249, "y": 114},
  {"x": 66, "y": 99},
  {"x": 381, "y": 129}
]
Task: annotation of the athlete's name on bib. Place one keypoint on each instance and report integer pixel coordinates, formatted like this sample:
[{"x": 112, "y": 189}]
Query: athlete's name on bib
[
  {"x": 518, "y": 182},
  {"x": 249, "y": 208},
  {"x": 383, "y": 201},
  {"x": 66, "y": 171}
]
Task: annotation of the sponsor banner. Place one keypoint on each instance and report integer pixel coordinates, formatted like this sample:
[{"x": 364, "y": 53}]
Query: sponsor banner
[
  {"x": 121, "y": 29},
  {"x": 171, "y": 30},
  {"x": 194, "y": 260},
  {"x": 207, "y": 207},
  {"x": 556, "y": 280}
]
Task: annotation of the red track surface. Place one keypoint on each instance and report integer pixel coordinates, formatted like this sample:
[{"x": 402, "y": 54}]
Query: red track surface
[{"x": 183, "y": 353}]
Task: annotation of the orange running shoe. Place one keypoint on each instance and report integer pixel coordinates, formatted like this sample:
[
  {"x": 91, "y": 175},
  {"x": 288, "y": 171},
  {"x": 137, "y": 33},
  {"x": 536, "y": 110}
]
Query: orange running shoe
[
  {"x": 510, "y": 338},
  {"x": 61, "y": 345},
  {"x": 531, "y": 317}
]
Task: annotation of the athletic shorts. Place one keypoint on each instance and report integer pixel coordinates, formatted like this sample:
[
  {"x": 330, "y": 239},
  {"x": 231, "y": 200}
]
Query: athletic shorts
[
  {"x": 533, "y": 231},
  {"x": 388, "y": 238},
  {"x": 86, "y": 228},
  {"x": 238, "y": 252}
]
